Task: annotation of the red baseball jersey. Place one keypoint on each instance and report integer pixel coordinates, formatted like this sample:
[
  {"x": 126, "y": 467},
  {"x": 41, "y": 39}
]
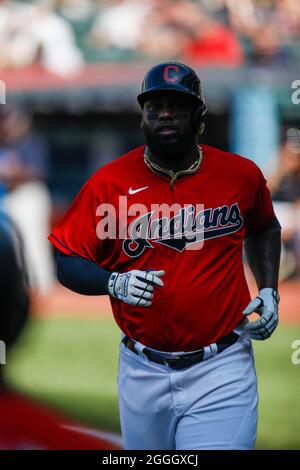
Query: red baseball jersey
[{"x": 205, "y": 289}]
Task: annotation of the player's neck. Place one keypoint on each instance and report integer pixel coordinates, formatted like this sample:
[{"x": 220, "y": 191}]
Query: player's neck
[{"x": 182, "y": 162}]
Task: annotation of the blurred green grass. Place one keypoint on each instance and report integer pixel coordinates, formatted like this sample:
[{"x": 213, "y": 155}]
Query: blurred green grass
[{"x": 71, "y": 364}]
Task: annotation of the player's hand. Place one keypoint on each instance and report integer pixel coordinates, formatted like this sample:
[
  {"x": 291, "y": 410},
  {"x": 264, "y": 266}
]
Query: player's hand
[
  {"x": 266, "y": 305},
  {"x": 135, "y": 287}
]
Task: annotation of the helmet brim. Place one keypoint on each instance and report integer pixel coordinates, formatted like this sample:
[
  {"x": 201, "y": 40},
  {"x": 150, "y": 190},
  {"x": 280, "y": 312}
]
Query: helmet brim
[{"x": 142, "y": 97}]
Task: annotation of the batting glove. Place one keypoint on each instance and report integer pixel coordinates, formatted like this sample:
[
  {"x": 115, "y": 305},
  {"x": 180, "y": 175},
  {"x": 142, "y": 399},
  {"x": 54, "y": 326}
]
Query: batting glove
[
  {"x": 266, "y": 305},
  {"x": 135, "y": 287}
]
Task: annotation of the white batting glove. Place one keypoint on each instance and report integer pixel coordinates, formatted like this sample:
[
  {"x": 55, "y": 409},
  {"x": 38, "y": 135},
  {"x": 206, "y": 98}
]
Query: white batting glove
[
  {"x": 135, "y": 287},
  {"x": 266, "y": 305}
]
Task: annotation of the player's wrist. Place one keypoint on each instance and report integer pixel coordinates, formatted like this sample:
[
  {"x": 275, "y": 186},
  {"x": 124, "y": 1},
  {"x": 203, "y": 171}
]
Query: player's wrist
[
  {"x": 111, "y": 284},
  {"x": 270, "y": 291}
]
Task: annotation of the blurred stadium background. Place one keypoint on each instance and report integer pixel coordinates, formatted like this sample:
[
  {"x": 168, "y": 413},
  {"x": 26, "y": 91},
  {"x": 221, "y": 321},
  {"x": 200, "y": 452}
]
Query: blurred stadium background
[{"x": 71, "y": 70}]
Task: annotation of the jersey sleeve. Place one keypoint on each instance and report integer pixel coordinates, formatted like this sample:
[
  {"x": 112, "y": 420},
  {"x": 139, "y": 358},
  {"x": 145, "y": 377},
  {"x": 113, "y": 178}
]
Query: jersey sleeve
[
  {"x": 261, "y": 214},
  {"x": 76, "y": 234}
]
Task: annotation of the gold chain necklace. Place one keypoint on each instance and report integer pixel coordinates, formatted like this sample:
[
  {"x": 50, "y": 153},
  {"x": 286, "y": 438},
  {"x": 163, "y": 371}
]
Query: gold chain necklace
[{"x": 174, "y": 174}]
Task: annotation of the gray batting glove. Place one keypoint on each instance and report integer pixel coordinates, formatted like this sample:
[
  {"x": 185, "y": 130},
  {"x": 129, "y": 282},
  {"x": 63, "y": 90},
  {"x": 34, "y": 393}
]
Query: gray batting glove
[
  {"x": 266, "y": 305},
  {"x": 135, "y": 287}
]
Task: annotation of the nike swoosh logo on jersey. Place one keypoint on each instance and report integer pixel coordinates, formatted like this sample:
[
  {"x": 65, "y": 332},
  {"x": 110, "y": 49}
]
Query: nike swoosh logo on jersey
[{"x": 133, "y": 191}]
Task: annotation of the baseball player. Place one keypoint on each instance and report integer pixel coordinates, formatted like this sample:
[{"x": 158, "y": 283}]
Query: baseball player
[{"x": 162, "y": 230}]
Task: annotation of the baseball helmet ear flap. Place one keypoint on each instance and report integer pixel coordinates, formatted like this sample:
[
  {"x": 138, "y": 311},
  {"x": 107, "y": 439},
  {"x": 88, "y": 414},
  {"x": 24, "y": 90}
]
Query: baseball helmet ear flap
[{"x": 198, "y": 118}]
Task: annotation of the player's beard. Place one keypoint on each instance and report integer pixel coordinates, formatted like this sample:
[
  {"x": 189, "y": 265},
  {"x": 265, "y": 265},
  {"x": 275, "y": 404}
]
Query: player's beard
[{"x": 169, "y": 148}]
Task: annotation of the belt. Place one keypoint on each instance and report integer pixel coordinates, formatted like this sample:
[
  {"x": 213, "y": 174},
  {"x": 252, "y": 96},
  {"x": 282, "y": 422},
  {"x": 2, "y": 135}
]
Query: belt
[{"x": 182, "y": 360}]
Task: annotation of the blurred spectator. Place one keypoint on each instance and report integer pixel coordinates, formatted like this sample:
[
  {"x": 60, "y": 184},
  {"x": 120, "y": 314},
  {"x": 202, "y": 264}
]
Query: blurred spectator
[
  {"x": 80, "y": 15},
  {"x": 74, "y": 10},
  {"x": 25, "y": 424},
  {"x": 269, "y": 26},
  {"x": 285, "y": 190},
  {"x": 211, "y": 42},
  {"x": 120, "y": 24},
  {"x": 25, "y": 197},
  {"x": 32, "y": 33},
  {"x": 163, "y": 36}
]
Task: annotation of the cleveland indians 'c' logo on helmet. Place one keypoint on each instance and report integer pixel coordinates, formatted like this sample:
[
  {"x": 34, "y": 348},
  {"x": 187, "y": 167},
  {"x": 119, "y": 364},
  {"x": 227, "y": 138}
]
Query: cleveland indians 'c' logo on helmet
[{"x": 171, "y": 78}]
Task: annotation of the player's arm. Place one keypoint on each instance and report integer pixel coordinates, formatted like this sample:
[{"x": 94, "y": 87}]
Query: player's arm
[
  {"x": 81, "y": 275},
  {"x": 86, "y": 277},
  {"x": 263, "y": 255}
]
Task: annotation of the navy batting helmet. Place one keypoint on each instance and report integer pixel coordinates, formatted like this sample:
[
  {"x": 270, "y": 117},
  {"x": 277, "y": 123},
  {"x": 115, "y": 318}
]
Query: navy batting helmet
[{"x": 174, "y": 76}]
